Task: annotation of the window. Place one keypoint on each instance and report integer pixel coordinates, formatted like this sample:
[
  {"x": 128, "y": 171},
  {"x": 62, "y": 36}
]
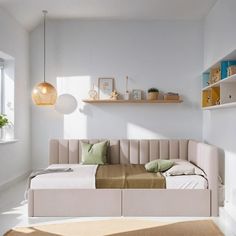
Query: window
[{"x": 7, "y": 94}]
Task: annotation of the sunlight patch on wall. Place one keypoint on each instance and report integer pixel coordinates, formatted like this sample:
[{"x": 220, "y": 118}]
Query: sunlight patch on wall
[
  {"x": 75, "y": 124},
  {"x": 135, "y": 131}
]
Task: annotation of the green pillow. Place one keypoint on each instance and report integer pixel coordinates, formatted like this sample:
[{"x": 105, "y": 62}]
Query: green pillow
[
  {"x": 159, "y": 165},
  {"x": 94, "y": 154}
]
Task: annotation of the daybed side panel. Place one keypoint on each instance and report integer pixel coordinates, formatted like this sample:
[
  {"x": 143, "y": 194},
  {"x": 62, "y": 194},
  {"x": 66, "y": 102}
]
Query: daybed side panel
[
  {"x": 76, "y": 202},
  {"x": 30, "y": 203},
  {"x": 206, "y": 157},
  {"x": 166, "y": 202}
]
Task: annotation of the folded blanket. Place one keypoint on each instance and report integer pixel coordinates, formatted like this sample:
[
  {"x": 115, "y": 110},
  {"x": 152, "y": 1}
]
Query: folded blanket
[{"x": 42, "y": 172}]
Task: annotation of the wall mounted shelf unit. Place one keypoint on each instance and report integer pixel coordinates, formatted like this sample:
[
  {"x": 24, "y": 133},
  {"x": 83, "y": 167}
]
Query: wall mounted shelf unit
[
  {"x": 229, "y": 57},
  {"x": 221, "y": 94},
  {"x": 132, "y": 101}
]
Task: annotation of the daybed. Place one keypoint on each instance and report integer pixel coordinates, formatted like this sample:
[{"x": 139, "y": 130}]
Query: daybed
[{"x": 201, "y": 200}]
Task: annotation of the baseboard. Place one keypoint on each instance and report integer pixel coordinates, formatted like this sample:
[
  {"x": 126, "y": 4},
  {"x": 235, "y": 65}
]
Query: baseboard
[
  {"x": 13, "y": 181},
  {"x": 230, "y": 210}
]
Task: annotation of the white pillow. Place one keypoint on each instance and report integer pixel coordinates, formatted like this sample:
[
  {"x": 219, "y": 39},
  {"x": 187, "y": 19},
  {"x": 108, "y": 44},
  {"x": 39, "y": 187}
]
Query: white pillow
[
  {"x": 183, "y": 167},
  {"x": 180, "y": 169}
]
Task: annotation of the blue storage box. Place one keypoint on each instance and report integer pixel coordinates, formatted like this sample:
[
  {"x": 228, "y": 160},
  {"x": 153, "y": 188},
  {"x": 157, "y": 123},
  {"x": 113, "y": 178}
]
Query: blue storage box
[
  {"x": 224, "y": 68},
  {"x": 205, "y": 79}
]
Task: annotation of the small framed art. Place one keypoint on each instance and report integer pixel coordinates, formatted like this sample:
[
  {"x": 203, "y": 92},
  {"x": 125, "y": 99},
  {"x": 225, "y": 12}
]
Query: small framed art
[
  {"x": 105, "y": 87},
  {"x": 137, "y": 94}
]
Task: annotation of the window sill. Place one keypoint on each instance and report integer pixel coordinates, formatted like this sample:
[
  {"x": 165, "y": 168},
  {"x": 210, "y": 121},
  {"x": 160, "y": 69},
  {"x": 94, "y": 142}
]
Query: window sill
[{"x": 8, "y": 141}]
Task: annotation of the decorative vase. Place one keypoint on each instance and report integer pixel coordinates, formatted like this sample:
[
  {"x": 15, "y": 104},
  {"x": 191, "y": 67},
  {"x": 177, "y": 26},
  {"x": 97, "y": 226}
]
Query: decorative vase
[
  {"x": 152, "y": 96},
  {"x": 126, "y": 97}
]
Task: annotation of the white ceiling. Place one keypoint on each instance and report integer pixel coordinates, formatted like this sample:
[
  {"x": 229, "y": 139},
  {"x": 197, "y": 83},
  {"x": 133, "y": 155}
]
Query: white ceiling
[{"x": 28, "y": 12}]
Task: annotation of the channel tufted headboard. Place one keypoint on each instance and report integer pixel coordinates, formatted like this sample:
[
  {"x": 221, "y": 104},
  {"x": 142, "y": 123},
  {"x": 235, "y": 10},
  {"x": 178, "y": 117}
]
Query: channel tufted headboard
[{"x": 121, "y": 151}]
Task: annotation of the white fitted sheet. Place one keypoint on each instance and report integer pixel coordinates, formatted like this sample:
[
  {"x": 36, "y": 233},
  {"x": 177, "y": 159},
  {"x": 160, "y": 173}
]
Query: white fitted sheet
[
  {"x": 186, "y": 182},
  {"x": 82, "y": 176}
]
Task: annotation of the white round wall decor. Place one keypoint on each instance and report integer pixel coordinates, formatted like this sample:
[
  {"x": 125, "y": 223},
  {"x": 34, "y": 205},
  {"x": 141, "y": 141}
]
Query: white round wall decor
[{"x": 66, "y": 104}]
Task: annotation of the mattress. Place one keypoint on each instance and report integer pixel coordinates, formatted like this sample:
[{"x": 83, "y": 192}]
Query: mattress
[
  {"x": 132, "y": 176},
  {"x": 76, "y": 179},
  {"x": 186, "y": 182},
  {"x": 82, "y": 177}
]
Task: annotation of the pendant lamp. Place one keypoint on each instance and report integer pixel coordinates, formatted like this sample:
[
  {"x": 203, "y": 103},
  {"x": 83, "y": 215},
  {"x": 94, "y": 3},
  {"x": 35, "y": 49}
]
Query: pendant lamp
[{"x": 44, "y": 93}]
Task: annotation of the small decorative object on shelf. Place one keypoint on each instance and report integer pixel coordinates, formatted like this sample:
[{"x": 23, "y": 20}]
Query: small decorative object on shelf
[
  {"x": 171, "y": 96},
  {"x": 153, "y": 94},
  {"x": 114, "y": 95},
  {"x": 105, "y": 87},
  {"x": 93, "y": 95},
  {"x": 209, "y": 103},
  {"x": 126, "y": 96},
  {"x": 231, "y": 70},
  {"x": 137, "y": 94},
  {"x": 215, "y": 75},
  {"x": 218, "y": 101},
  {"x": 224, "y": 67},
  {"x": 211, "y": 96}
]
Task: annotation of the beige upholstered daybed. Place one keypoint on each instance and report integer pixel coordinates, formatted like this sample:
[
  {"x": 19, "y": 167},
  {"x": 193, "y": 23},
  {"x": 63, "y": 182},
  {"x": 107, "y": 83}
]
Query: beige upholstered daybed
[{"x": 67, "y": 194}]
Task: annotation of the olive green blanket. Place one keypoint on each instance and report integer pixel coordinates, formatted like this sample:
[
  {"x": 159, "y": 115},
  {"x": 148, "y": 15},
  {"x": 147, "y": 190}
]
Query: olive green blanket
[{"x": 127, "y": 176}]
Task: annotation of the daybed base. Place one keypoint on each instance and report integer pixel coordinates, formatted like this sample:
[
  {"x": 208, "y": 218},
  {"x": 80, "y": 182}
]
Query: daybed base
[
  {"x": 131, "y": 202},
  {"x": 117, "y": 202}
]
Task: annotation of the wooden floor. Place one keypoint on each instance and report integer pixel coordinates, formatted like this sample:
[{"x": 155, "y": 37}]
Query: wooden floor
[{"x": 13, "y": 212}]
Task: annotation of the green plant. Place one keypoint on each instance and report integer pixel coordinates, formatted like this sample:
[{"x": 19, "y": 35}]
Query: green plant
[
  {"x": 153, "y": 90},
  {"x": 3, "y": 120}
]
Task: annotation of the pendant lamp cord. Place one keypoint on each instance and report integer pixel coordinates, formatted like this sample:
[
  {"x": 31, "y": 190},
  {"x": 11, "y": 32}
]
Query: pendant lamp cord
[{"x": 44, "y": 45}]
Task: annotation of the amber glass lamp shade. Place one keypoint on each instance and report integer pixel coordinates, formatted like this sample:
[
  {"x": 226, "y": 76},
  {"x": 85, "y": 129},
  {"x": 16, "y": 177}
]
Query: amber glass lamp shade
[{"x": 44, "y": 94}]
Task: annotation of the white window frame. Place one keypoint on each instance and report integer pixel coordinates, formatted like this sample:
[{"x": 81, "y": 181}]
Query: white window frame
[
  {"x": 3, "y": 69},
  {"x": 2, "y": 94}
]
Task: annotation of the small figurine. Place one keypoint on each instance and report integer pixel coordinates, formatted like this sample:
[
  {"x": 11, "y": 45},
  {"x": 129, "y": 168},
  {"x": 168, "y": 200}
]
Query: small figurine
[
  {"x": 126, "y": 96},
  {"x": 114, "y": 95},
  {"x": 218, "y": 101},
  {"x": 93, "y": 93},
  {"x": 215, "y": 75},
  {"x": 209, "y": 100}
]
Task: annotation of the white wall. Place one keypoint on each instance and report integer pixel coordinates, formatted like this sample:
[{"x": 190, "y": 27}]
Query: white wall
[
  {"x": 15, "y": 157},
  {"x": 167, "y": 55},
  {"x": 219, "y": 125}
]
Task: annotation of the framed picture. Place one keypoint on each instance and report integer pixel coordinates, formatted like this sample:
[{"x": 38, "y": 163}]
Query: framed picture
[
  {"x": 105, "y": 87},
  {"x": 137, "y": 94}
]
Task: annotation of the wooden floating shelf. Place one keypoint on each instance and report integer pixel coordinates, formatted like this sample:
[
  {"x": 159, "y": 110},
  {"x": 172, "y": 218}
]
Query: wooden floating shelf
[
  {"x": 226, "y": 105},
  {"x": 133, "y": 101}
]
